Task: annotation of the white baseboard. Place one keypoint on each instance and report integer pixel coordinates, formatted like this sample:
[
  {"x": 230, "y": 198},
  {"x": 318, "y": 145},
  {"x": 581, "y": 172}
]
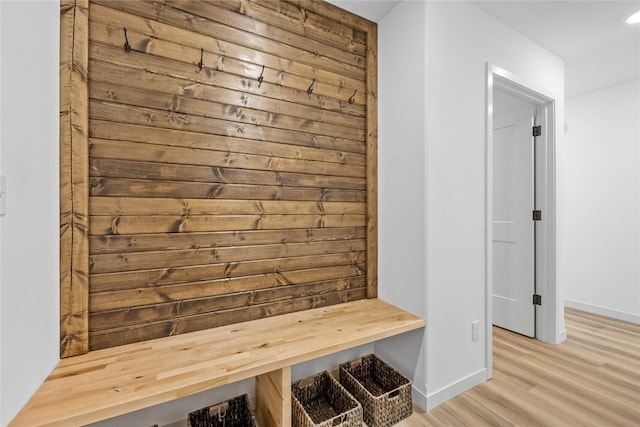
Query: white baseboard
[
  {"x": 418, "y": 397},
  {"x": 452, "y": 390},
  {"x": 603, "y": 311},
  {"x": 562, "y": 337}
]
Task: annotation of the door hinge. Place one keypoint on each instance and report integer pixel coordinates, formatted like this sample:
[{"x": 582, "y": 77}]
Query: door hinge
[
  {"x": 537, "y": 299},
  {"x": 537, "y": 130},
  {"x": 537, "y": 215}
]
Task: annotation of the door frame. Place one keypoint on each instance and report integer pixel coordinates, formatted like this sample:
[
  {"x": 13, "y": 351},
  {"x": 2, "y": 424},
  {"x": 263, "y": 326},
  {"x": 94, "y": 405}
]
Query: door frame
[{"x": 547, "y": 318}]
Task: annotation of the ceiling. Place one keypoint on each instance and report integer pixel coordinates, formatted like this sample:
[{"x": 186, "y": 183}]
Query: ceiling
[
  {"x": 373, "y": 10},
  {"x": 598, "y": 48}
]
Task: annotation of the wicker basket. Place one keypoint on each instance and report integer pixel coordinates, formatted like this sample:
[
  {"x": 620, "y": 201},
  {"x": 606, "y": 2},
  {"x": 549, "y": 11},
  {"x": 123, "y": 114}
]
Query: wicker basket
[
  {"x": 234, "y": 412},
  {"x": 320, "y": 401},
  {"x": 384, "y": 393}
]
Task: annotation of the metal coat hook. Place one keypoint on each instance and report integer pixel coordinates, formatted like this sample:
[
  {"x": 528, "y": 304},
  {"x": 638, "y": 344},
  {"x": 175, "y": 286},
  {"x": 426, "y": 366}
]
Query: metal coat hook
[
  {"x": 261, "y": 78},
  {"x": 353, "y": 97},
  {"x": 310, "y": 88},
  {"x": 127, "y": 46},
  {"x": 201, "y": 63}
]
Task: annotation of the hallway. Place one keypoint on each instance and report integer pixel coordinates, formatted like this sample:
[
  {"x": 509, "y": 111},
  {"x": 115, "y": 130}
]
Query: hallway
[{"x": 591, "y": 379}]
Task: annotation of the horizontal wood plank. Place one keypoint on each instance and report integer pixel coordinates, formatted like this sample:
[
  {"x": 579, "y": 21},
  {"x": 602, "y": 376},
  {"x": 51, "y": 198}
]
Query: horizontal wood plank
[
  {"x": 215, "y": 12},
  {"x": 140, "y": 315},
  {"x": 199, "y": 31},
  {"x": 180, "y": 82},
  {"x": 103, "y": 263},
  {"x": 117, "y": 187},
  {"x": 303, "y": 23},
  {"x": 181, "y": 325},
  {"x": 123, "y": 206},
  {"x": 196, "y": 273},
  {"x": 238, "y": 64},
  {"x": 350, "y": 154},
  {"x": 352, "y": 30},
  {"x": 327, "y": 101},
  {"x": 120, "y": 85},
  {"x": 176, "y": 172},
  {"x": 198, "y": 223},
  {"x": 126, "y": 150},
  {"x": 102, "y": 110},
  {"x": 212, "y": 106},
  {"x": 333, "y": 14},
  {"x": 154, "y": 372},
  {"x": 113, "y": 300},
  {"x": 173, "y": 241}
]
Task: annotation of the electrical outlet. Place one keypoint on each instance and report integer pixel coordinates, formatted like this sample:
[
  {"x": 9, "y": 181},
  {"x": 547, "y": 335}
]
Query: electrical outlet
[{"x": 475, "y": 330}]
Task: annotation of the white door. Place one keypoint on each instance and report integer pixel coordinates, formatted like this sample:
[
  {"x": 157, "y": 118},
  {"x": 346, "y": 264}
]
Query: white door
[{"x": 513, "y": 227}]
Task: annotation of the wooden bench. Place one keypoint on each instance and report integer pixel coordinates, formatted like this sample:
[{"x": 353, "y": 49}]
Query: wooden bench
[{"x": 106, "y": 383}]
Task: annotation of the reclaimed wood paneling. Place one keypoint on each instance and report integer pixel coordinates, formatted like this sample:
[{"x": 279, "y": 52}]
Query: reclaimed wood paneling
[
  {"x": 224, "y": 166},
  {"x": 372, "y": 162},
  {"x": 292, "y": 18},
  {"x": 74, "y": 197},
  {"x": 235, "y": 110},
  {"x": 335, "y": 153},
  {"x": 223, "y": 270},
  {"x": 150, "y": 242},
  {"x": 162, "y": 20},
  {"x": 103, "y": 263},
  {"x": 126, "y": 150},
  {"x": 274, "y": 88}
]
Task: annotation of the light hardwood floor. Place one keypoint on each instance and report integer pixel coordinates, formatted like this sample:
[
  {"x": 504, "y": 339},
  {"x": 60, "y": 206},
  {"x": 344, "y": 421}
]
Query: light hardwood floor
[{"x": 592, "y": 379}]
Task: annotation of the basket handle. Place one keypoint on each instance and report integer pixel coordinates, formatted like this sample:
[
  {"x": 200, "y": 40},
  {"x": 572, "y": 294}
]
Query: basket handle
[
  {"x": 305, "y": 382},
  {"x": 355, "y": 363},
  {"x": 393, "y": 395},
  {"x": 219, "y": 410},
  {"x": 342, "y": 418}
]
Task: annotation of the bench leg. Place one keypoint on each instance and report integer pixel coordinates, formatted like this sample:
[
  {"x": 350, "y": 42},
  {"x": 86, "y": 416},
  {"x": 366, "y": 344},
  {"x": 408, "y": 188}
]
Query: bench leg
[{"x": 273, "y": 398}]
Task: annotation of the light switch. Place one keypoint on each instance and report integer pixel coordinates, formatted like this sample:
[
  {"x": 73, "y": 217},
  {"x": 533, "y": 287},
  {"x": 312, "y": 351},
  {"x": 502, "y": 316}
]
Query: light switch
[{"x": 3, "y": 195}]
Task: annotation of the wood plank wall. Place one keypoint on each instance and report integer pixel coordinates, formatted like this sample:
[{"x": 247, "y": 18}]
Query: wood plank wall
[{"x": 217, "y": 196}]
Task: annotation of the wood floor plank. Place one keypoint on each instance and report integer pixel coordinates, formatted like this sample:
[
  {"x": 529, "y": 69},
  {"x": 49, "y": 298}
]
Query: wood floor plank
[{"x": 591, "y": 379}]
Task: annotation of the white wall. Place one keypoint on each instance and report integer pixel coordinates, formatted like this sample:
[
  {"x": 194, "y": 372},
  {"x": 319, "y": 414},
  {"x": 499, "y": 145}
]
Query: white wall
[
  {"x": 1, "y": 172},
  {"x": 461, "y": 39},
  {"x": 29, "y": 267},
  {"x": 603, "y": 201},
  {"x": 401, "y": 184},
  {"x": 432, "y": 117}
]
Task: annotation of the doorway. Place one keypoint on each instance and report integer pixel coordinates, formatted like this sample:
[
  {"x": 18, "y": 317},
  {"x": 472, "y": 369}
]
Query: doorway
[
  {"x": 514, "y": 201},
  {"x": 542, "y": 320}
]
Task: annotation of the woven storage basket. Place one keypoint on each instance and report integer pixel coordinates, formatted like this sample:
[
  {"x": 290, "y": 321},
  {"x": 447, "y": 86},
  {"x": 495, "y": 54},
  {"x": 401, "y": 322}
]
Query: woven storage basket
[
  {"x": 234, "y": 412},
  {"x": 320, "y": 401},
  {"x": 384, "y": 393}
]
